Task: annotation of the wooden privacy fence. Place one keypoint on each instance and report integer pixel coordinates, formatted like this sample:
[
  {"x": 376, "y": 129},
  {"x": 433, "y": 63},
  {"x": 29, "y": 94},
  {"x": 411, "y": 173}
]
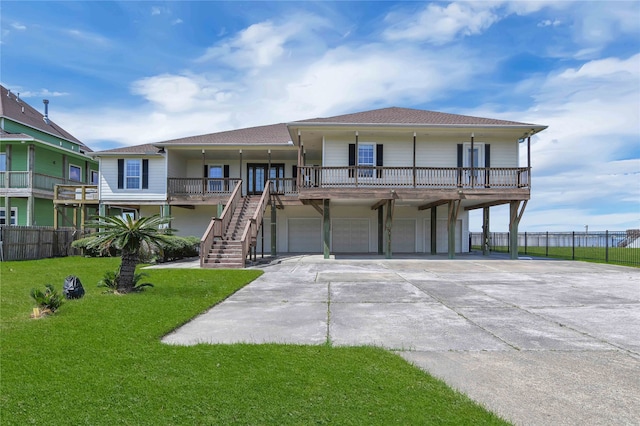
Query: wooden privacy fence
[{"x": 36, "y": 242}]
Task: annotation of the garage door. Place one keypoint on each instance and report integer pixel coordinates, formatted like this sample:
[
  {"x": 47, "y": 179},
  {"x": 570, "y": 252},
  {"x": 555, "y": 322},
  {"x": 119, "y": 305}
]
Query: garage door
[
  {"x": 350, "y": 235},
  {"x": 403, "y": 236},
  {"x": 305, "y": 235}
]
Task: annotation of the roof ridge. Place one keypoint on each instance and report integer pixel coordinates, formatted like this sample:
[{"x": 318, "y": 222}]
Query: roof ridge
[{"x": 20, "y": 111}]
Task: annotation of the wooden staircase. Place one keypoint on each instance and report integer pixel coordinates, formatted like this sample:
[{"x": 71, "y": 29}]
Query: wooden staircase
[{"x": 227, "y": 252}]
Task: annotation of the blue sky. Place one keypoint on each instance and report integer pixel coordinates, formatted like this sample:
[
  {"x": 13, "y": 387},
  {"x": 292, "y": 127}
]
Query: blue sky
[{"x": 126, "y": 73}]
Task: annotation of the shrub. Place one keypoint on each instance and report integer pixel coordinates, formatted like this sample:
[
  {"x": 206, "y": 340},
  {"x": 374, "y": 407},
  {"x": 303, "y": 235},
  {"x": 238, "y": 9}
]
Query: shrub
[
  {"x": 111, "y": 279},
  {"x": 47, "y": 301},
  {"x": 179, "y": 247}
]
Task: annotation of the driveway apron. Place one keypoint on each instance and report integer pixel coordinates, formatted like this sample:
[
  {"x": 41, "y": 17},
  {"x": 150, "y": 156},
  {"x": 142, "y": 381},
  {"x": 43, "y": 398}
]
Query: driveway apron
[{"x": 537, "y": 341}]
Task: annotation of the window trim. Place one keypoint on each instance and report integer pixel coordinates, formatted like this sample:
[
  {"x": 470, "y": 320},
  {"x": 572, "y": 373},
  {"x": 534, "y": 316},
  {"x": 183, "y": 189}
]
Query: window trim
[
  {"x": 127, "y": 161},
  {"x": 95, "y": 173},
  {"x": 367, "y": 169},
  {"x": 13, "y": 218},
  {"x": 75, "y": 167},
  {"x": 216, "y": 185}
]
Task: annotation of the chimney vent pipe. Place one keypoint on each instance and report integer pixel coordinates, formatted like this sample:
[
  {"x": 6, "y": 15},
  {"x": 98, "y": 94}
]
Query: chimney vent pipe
[{"x": 46, "y": 110}]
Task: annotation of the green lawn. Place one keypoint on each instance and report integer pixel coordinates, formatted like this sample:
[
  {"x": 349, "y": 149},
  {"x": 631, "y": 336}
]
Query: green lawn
[
  {"x": 99, "y": 360},
  {"x": 616, "y": 255}
]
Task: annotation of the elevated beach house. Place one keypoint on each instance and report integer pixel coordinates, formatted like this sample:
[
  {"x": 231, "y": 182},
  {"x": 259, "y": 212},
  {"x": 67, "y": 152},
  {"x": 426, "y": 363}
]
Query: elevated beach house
[
  {"x": 38, "y": 158},
  {"x": 386, "y": 181}
]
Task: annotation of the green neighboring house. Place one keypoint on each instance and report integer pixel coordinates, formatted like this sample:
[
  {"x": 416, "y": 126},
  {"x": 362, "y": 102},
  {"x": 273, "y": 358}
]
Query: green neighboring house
[{"x": 36, "y": 155}]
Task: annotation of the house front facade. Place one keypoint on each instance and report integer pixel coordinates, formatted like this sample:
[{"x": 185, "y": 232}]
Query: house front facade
[
  {"x": 38, "y": 158},
  {"x": 386, "y": 181}
]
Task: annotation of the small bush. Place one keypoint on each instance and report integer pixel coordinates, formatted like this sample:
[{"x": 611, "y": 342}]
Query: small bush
[
  {"x": 179, "y": 247},
  {"x": 47, "y": 301},
  {"x": 111, "y": 279}
]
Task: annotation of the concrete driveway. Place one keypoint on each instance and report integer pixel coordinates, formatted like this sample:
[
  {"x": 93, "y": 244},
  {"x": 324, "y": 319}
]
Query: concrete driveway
[{"x": 538, "y": 342}]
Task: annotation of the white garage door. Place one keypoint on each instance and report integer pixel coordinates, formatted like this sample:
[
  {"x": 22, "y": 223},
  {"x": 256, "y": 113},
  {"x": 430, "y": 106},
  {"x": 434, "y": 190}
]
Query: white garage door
[
  {"x": 305, "y": 235},
  {"x": 403, "y": 236},
  {"x": 350, "y": 235}
]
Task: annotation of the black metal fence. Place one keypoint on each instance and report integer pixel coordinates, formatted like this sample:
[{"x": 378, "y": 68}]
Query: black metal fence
[
  {"x": 36, "y": 242},
  {"x": 621, "y": 247}
]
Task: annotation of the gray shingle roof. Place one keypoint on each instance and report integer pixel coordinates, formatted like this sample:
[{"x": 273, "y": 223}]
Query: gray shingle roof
[
  {"x": 272, "y": 134},
  {"x": 145, "y": 149},
  {"x": 278, "y": 134},
  {"x": 11, "y": 107},
  {"x": 395, "y": 115}
]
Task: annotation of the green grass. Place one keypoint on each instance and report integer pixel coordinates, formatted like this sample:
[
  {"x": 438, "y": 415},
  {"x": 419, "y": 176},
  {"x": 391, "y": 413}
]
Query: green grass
[
  {"x": 99, "y": 360},
  {"x": 616, "y": 255}
]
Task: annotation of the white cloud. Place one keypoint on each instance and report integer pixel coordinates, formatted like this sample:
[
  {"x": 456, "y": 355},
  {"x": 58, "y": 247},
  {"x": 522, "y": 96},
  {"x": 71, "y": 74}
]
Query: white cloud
[
  {"x": 18, "y": 26},
  {"x": 177, "y": 21},
  {"x": 588, "y": 160},
  {"x": 280, "y": 71},
  {"x": 87, "y": 37},
  {"x": 549, "y": 23},
  {"x": 155, "y": 11},
  {"x": 42, "y": 93},
  {"x": 339, "y": 80},
  {"x": 440, "y": 24},
  {"x": 262, "y": 44}
]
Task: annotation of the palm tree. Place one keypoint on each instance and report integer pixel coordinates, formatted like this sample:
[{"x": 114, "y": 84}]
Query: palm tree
[{"x": 129, "y": 236}]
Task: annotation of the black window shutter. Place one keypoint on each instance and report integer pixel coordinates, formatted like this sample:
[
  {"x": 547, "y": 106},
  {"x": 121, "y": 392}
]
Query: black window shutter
[
  {"x": 460, "y": 164},
  {"x": 205, "y": 172},
  {"x": 120, "y": 173},
  {"x": 352, "y": 154},
  {"x": 487, "y": 163},
  {"x": 294, "y": 171},
  {"x": 379, "y": 160},
  {"x": 225, "y": 174},
  {"x": 352, "y": 157},
  {"x": 145, "y": 174}
]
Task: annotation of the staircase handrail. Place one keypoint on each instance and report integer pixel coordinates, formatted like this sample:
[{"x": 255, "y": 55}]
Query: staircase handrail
[
  {"x": 253, "y": 226},
  {"x": 218, "y": 225}
]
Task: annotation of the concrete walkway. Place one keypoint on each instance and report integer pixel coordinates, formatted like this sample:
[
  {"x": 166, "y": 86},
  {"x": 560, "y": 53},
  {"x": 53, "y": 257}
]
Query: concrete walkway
[{"x": 537, "y": 341}]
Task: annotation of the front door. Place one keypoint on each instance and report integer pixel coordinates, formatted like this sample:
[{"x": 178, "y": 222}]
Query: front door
[{"x": 257, "y": 176}]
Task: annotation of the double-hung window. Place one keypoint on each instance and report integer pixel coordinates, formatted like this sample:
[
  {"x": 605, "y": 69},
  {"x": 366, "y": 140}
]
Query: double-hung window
[
  {"x": 366, "y": 160},
  {"x": 215, "y": 178},
  {"x": 133, "y": 174}
]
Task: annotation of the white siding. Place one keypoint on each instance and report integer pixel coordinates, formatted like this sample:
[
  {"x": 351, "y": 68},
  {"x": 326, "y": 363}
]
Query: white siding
[
  {"x": 504, "y": 153},
  {"x": 336, "y": 153},
  {"x": 397, "y": 153},
  {"x": 109, "y": 191},
  {"x": 192, "y": 221},
  {"x": 436, "y": 153}
]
